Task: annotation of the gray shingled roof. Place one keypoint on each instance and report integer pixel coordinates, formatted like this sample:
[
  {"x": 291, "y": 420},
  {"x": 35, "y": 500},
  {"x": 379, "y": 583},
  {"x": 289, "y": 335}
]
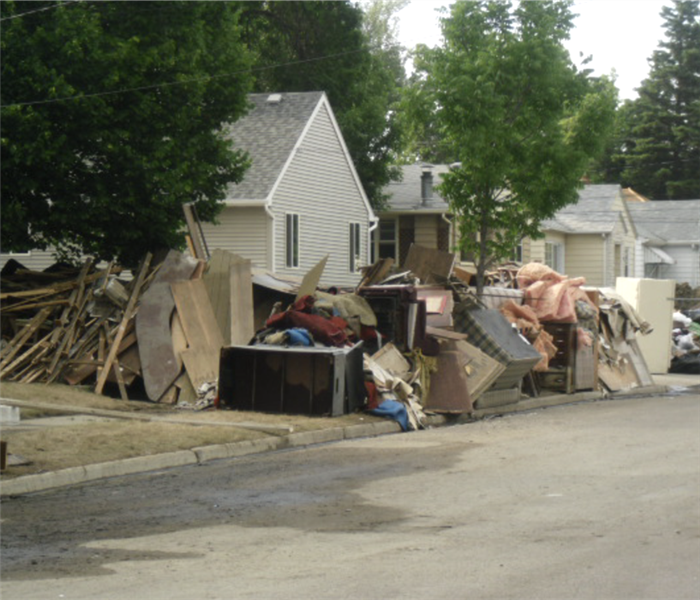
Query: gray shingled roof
[
  {"x": 405, "y": 195},
  {"x": 672, "y": 220},
  {"x": 269, "y": 133},
  {"x": 591, "y": 214}
]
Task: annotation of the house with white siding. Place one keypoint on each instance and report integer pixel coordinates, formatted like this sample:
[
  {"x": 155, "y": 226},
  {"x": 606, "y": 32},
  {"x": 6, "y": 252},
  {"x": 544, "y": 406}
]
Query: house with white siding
[
  {"x": 669, "y": 239},
  {"x": 300, "y": 200}
]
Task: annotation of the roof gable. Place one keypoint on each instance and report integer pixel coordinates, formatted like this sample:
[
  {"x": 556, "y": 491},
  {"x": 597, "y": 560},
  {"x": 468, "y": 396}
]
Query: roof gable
[
  {"x": 269, "y": 133},
  {"x": 598, "y": 209}
]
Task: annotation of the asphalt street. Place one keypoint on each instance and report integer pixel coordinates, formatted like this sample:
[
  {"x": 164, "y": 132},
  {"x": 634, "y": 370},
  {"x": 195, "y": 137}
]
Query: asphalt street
[{"x": 597, "y": 500}]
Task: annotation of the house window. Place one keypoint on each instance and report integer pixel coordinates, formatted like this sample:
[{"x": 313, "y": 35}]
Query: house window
[
  {"x": 517, "y": 254},
  {"x": 387, "y": 239},
  {"x": 554, "y": 256},
  {"x": 292, "y": 240},
  {"x": 355, "y": 244}
]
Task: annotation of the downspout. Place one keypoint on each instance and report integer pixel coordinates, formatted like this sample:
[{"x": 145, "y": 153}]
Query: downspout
[
  {"x": 273, "y": 247},
  {"x": 450, "y": 224},
  {"x": 374, "y": 223},
  {"x": 605, "y": 260}
]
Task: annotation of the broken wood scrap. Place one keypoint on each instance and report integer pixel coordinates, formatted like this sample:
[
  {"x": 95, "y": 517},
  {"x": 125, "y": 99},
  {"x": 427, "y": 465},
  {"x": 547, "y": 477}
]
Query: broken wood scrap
[
  {"x": 160, "y": 362},
  {"x": 143, "y": 271}
]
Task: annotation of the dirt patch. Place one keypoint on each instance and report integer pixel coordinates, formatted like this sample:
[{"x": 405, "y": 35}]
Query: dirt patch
[{"x": 48, "y": 443}]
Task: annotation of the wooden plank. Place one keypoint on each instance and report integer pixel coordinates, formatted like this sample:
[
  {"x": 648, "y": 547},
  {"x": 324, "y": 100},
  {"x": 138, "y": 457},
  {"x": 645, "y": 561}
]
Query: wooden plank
[
  {"x": 196, "y": 314},
  {"x": 160, "y": 363},
  {"x": 202, "y": 365},
  {"x": 55, "y": 289},
  {"x": 179, "y": 339},
  {"x": 205, "y": 341},
  {"x": 16, "y": 344},
  {"x": 242, "y": 312},
  {"x": 376, "y": 273},
  {"x": 120, "y": 380},
  {"x": 199, "y": 244},
  {"x": 128, "y": 312},
  {"x": 217, "y": 280},
  {"x": 41, "y": 345},
  {"x": 311, "y": 280},
  {"x": 428, "y": 264}
]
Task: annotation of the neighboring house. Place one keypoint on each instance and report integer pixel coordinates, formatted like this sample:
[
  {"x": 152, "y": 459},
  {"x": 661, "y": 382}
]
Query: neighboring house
[
  {"x": 669, "y": 238},
  {"x": 300, "y": 200},
  {"x": 594, "y": 238},
  {"x": 415, "y": 213}
]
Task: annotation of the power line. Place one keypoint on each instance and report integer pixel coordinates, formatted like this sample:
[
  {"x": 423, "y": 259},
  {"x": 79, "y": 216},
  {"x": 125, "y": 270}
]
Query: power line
[
  {"x": 173, "y": 83},
  {"x": 38, "y": 10}
]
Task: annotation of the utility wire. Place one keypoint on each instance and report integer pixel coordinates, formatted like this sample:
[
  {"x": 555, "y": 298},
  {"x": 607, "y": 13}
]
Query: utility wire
[
  {"x": 38, "y": 10},
  {"x": 173, "y": 83}
]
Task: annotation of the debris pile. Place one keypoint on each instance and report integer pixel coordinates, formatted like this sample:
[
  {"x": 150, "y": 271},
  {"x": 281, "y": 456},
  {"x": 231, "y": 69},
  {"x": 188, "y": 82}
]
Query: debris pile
[
  {"x": 686, "y": 342},
  {"x": 403, "y": 343}
]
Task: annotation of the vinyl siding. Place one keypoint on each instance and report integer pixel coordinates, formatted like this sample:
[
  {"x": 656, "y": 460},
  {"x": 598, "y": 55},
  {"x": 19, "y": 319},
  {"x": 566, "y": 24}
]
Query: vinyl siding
[
  {"x": 243, "y": 231},
  {"x": 36, "y": 260},
  {"x": 584, "y": 258},
  {"x": 426, "y": 231},
  {"x": 319, "y": 186},
  {"x": 687, "y": 267}
]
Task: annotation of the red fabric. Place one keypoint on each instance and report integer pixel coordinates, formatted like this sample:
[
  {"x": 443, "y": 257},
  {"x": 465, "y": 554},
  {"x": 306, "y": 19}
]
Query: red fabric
[
  {"x": 321, "y": 329},
  {"x": 372, "y": 395}
]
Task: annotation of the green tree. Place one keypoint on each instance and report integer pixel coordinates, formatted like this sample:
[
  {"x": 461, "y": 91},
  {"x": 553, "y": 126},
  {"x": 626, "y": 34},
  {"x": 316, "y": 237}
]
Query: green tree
[
  {"x": 333, "y": 47},
  {"x": 662, "y": 159},
  {"x": 514, "y": 114},
  {"x": 111, "y": 119}
]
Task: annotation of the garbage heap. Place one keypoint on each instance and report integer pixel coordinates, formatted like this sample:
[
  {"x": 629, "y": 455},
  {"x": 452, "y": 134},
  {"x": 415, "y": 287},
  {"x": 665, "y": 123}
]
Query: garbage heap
[{"x": 403, "y": 343}]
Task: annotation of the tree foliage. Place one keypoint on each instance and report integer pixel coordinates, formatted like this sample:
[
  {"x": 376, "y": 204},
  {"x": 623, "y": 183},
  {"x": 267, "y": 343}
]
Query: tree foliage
[
  {"x": 352, "y": 56},
  {"x": 505, "y": 103},
  {"x": 662, "y": 153},
  {"x": 111, "y": 113}
]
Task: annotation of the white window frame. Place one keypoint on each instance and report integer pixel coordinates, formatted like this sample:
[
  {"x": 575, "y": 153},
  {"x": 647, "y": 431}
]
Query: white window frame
[
  {"x": 378, "y": 242},
  {"x": 355, "y": 246},
  {"x": 554, "y": 256},
  {"x": 292, "y": 245}
]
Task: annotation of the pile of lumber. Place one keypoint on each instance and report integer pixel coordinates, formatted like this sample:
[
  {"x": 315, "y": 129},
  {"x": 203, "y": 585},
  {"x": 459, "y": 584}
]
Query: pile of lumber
[{"x": 156, "y": 336}]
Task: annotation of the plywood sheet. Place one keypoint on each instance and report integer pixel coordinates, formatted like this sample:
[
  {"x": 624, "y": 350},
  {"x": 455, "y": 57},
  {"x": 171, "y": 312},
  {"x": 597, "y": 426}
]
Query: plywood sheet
[
  {"x": 428, "y": 264},
  {"x": 217, "y": 280},
  {"x": 242, "y": 313},
  {"x": 202, "y": 365},
  {"x": 311, "y": 280},
  {"x": 196, "y": 314},
  {"x": 449, "y": 386},
  {"x": 159, "y": 361}
]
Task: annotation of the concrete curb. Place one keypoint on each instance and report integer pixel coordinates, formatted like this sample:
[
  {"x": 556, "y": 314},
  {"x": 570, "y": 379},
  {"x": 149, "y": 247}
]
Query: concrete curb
[{"x": 28, "y": 484}]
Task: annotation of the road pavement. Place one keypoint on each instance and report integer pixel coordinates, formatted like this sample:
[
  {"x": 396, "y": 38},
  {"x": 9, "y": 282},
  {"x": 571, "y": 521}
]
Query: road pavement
[{"x": 594, "y": 500}]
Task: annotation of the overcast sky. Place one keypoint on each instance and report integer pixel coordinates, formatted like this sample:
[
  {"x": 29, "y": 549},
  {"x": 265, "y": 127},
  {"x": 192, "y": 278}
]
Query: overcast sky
[{"x": 620, "y": 35}]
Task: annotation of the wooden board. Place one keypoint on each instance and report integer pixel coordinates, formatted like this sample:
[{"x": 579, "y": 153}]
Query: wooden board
[
  {"x": 205, "y": 341},
  {"x": 482, "y": 371},
  {"x": 242, "y": 313},
  {"x": 159, "y": 361},
  {"x": 217, "y": 280},
  {"x": 449, "y": 386},
  {"x": 202, "y": 365},
  {"x": 196, "y": 314},
  {"x": 428, "y": 264},
  {"x": 311, "y": 280}
]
